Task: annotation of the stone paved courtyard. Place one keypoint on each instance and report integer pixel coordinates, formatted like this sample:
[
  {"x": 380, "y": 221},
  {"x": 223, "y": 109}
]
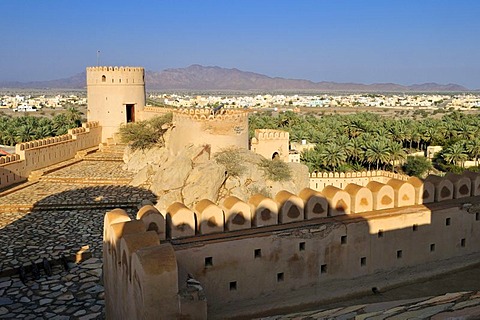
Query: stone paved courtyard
[
  {"x": 63, "y": 212},
  {"x": 57, "y": 216}
]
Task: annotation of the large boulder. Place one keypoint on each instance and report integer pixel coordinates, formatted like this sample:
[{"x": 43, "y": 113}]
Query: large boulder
[
  {"x": 204, "y": 182},
  {"x": 139, "y": 159}
]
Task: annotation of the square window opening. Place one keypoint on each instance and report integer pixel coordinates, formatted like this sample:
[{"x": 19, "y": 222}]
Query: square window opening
[
  {"x": 208, "y": 262},
  {"x": 399, "y": 254},
  {"x": 280, "y": 277},
  {"x": 380, "y": 233},
  {"x": 432, "y": 247},
  {"x": 448, "y": 221},
  {"x": 258, "y": 253},
  {"x": 233, "y": 286},
  {"x": 301, "y": 246},
  {"x": 323, "y": 268},
  {"x": 463, "y": 242},
  {"x": 363, "y": 261},
  {"x": 343, "y": 239}
]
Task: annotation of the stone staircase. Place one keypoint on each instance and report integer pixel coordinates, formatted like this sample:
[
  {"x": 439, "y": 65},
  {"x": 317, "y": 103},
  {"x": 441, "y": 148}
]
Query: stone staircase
[{"x": 108, "y": 152}]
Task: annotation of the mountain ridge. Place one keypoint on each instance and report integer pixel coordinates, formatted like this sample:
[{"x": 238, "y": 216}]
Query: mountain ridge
[{"x": 213, "y": 78}]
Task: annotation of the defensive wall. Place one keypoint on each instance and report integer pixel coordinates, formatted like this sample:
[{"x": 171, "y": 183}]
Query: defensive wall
[
  {"x": 37, "y": 154},
  {"x": 241, "y": 258},
  {"x": 221, "y": 129},
  {"x": 319, "y": 180}
]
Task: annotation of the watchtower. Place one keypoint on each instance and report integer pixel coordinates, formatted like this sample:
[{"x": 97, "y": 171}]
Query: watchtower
[{"x": 116, "y": 95}]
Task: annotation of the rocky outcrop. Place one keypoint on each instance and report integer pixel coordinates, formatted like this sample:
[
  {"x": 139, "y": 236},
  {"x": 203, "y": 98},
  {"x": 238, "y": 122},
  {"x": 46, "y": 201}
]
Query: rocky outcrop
[{"x": 194, "y": 174}]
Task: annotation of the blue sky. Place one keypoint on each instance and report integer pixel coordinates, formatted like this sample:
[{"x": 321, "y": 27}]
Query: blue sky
[{"x": 367, "y": 41}]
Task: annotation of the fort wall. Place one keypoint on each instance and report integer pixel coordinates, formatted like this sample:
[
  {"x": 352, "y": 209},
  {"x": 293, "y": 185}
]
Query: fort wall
[
  {"x": 301, "y": 251},
  {"x": 271, "y": 144},
  {"x": 37, "y": 154},
  {"x": 319, "y": 180},
  {"x": 221, "y": 129}
]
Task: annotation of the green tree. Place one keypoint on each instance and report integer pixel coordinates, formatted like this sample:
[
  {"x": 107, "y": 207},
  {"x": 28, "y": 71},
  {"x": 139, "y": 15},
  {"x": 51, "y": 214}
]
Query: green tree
[{"x": 417, "y": 166}]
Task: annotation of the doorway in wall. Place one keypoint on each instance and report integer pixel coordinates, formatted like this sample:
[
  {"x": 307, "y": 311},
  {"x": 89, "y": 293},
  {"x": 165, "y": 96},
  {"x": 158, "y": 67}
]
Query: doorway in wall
[{"x": 130, "y": 112}]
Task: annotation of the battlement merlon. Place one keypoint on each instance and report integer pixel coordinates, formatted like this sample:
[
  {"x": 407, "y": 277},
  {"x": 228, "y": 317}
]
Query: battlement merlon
[
  {"x": 115, "y": 76},
  {"x": 270, "y": 134}
]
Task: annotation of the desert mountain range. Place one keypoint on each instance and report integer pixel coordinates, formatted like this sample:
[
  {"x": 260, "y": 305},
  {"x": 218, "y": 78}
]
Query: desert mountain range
[{"x": 201, "y": 78}]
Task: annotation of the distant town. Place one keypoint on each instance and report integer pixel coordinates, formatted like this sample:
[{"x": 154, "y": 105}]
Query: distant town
[{"x": 37, "y": 102}]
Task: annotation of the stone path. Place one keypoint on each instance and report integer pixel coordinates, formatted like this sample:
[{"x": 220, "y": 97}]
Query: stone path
[
  {"x": 460, "y": 305},
  {"x": 57, "y": 216}
]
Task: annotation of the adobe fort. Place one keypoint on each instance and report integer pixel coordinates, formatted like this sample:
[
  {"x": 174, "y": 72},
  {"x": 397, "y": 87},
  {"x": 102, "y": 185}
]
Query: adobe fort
[{"x": 341, "y": 235}]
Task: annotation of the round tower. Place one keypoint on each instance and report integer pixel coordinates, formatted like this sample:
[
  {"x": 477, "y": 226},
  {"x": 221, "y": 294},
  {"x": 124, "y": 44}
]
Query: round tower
[
  {"x": 218, "y": 129},
  {"x": 116, "y": 95}
]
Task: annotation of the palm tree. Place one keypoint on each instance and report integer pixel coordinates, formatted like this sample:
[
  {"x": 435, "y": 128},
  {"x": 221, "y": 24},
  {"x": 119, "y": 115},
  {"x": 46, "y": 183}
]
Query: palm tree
[
  {"x": 473, "y": 148},
  {"x": 332, "y": 156},
  {"x": 377, "y": 152},
  {"x": 397, "y": 153},
  {"x": 455, "y": 153}
]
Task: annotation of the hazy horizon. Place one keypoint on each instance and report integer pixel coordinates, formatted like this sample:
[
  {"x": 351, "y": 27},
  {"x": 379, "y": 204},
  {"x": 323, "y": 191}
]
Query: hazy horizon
[{"x": 403, "y": 42}]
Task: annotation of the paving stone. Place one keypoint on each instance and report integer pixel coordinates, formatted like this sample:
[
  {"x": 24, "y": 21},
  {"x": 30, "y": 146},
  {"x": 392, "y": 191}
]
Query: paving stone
[
  {"x": 423, "y": 313},
  {"x": 467, "y": 303},
  {"x": 5, "y": 301}
]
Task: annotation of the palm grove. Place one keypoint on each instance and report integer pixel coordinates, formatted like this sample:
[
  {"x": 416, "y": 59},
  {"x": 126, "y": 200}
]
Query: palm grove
[
  {"x": 369, "y": 141},
  {"x": 25, "y": 128}
]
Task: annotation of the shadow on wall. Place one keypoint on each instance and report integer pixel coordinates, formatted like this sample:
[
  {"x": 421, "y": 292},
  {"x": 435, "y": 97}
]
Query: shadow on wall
[
  {"x": 310, "y": 245},
  {"x": 61, "y": 223}
]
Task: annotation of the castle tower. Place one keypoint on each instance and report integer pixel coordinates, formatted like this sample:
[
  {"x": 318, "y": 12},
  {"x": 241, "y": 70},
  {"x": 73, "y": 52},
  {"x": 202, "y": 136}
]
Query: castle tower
[
  {"x": 272, "y": 144},
  {"x": 116, "y": 95}
]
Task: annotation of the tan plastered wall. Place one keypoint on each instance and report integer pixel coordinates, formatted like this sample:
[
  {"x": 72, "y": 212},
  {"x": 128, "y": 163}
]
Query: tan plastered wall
[
  {"x": 228, "y": 128},
  {"x": 274, "y": 262},
  {"x": 37, "y": 154},
  {"x": 319, "y": 180},
  {"x": 268, "y": 142}
]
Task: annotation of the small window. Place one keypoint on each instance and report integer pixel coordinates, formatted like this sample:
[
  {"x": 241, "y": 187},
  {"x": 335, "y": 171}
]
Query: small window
[
  {"x": 119, "y": 80},
  {"x": 448, "y": 221},
  {"x": 399, "y": 254},
  {"x": 363, "y": 261},
  {"x": 113, "y": 80},
  {"x": 208, "y": 262},
  {"x": 280, "y": 277},
  {"x": 104, "y": 79},
  {"x": 233, "y": 286},
  {"x": 462, "y": 242},
  {"x": 477, "y": 216},
  {"x": 415, "y": 227},
  {"x": 380, "y": 233},
  {"x": 301, "y": 246},
  {"x": 323, "y": 268},
  {"x": 257, "y": 253},
  {"x": 432, "y": 247},
  {"x": 343, "y": 240}
]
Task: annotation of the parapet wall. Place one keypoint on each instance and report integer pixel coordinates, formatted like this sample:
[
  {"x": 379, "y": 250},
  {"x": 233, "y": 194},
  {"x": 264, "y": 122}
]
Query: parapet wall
[
  {"x": 272, "y": 249},
  {"x": 37, "y": 154},
  {"x": 115, "y": 76},
  {"x": 319, "y": 180},
  {"x": 221, "y": 129}
]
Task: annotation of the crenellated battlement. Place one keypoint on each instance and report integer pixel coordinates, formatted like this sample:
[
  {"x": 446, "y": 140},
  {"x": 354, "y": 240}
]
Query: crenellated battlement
[
  {"x": 270, "y": 134},
  {"x": 115, "y": 76},
  {"x": 187, "y": 114},
  {"x": 36, "y": 154},
  {"x": 179, "y": 221},
  {"x": 287, "y": 243},
  {"x": 359, "y": 174}
]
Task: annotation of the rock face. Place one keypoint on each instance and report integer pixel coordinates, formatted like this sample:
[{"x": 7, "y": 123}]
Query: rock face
[{"x": 194, "y": 175}]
